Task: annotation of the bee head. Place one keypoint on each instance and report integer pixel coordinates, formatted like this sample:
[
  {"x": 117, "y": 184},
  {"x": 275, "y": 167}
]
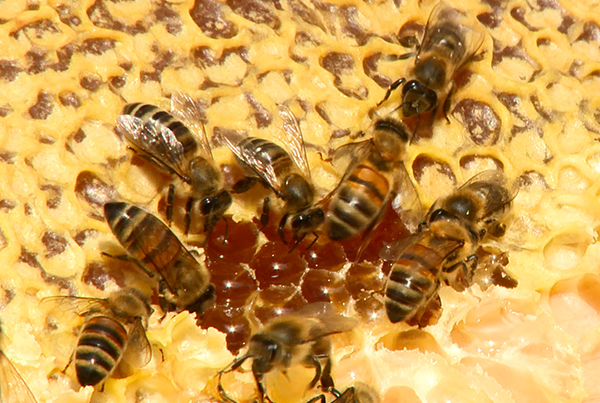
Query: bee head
[
  {"x": 297, "y": 192},
  {"x": 417, "y": 98},
  {"x": 216, "y": 205},
  {"x": 307, "y": 221},
  {"x": 266, "y": 353}
]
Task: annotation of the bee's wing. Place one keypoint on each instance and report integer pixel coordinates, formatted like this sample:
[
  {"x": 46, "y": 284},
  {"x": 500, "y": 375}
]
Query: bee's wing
[
  {"x": 330, "y": 321},
  {"x": 186, "y": 109},
  {"x": 444, "y": 16},
  {"x": 13, "y": 388},
  {"x": 392, "y": 251},
  {"x": 293, "y": 139},
  {"x": 261, "y": 168},
  {"x": 345, "y": 157},
  {"x": 155, "y": 140},
  {"x": 495, "y": 186},
  {"x": 79, "y": 305},
  {"x": 407, "y": 202},
  {"x": 139, "y": 351}
]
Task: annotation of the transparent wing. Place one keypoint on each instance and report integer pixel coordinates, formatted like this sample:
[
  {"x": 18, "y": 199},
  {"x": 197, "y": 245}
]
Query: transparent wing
[
  {"x": 293, "y": 139},
  {"x": 495, "y": 187},
  {"x": 82, "y": 306},
  {"x": 186, "y": 109},
  {"x": 345, "y": 157},
  {"x": 13, "y": 388},
  {"x": 139, "y": 351},
  {"x": 264, "y": 170},
  {"x": 407, "y": 202},
  {"x": 330, "y": 321},
  {"x": 156, "y": 141},
  {"x": 446, "y": 20},
  {"x": 392, "y": 251}
]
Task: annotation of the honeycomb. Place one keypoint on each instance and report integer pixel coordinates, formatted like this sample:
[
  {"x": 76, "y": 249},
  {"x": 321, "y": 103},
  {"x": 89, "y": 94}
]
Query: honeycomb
[{"x": 528, "y": 107}]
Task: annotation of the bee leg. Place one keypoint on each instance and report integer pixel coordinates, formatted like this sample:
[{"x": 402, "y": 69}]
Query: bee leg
[
  {"x": 170, "y": 203},
  {"x": 391, "y": 88},
  {"x": 314, "y": 240},
  {"x": 496, "y": 228},
  {"x": 222, "y": 393},
  {"x": 320, "y": 398},
  {"x": 326, "y": 379},
  {"x": 281, "y": 227},
  {"x": 127, "y": 258},
  {"x": 261, "y": 388},
  {"x": 314, "y": 362},
  {"x": 446, "y": 106},
  {"x": 188, "y": 215},
  {"x": 244, "y": 184},
  {"x": 264, "y": 217}
]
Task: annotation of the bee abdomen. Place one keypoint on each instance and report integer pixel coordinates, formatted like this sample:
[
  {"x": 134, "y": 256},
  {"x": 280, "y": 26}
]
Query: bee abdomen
[
  {"x": 147, "y": 112},
  {"x": 268, "y": 152},
  {"x": 99, "y": 349},
  {"x": 359, "y": 200},
  {"x": 412, "y": 281}
]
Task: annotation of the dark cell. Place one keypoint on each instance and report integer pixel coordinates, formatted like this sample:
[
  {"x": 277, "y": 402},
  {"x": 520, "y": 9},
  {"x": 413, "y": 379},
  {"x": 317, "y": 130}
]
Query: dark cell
[
  {"x": 7, "y": 205},
  {"x": 233, "y": 286},
  {"x": 352, "y": 27},
  {"x": 93, "y": 190},
  {"x": 67, "y": 17},
  {"x": 91, "y": 82},
  {"x": 276, "y": 301},
  {"x": 9, "y": 70},
  {"x": 261, "y": 115},
  {"x": 68, "y": 98},
  {"x": 256, "y": 11},
  {"x": 480, "y": 120},
  {"x": 410, "y": 34},
  {"x": 370, "y": 68},
  {"x": 36, "y": 60},
  {"x": 230, "y": 242},
  {"x": 231, "y": 322},
  {"x": 308, "y": 15},
  {"x": 363, "y": 278},
  {"x": 83, "y": 236},
  {"x": 97, "y": 46},
  {"x": 369, "y": 308},
  {"x": 471, "y": 160},
  {"x": 64, "y": 55},
  {"x": 326, "y": 286},
  {"x": 100, "y": 15},
  {"x": 208, "y": 15},
  {"x": 490, "y": 19},
  {"x": 43, "y": 106},
  {"x": 55, "y": 244},
  {"x": 274, "y": 264},
  {"x": 337, "y": 63},
  {"x": 166, "y": 15},
  {"x": 97, "y": 275},
  {"x": 425, "y": 161},
  {"x": 328, "y": 256}
]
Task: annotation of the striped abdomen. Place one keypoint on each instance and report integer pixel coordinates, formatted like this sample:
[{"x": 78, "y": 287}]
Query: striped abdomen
[
  {"x": 415, "y": 277},
  {"x": 269, "y": 154},
  {"x": 357, "y": 202},
  {"x": 99, "y": 349},
  {"x": 149, "y": 241},
  {"x": 147, "y": 112}
]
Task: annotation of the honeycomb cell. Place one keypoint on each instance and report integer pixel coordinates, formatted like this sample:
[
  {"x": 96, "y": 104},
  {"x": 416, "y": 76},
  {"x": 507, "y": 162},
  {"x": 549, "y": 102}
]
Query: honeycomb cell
[
  {"x": 276, "y": 301},
  {"x": 274, "y": 264},
  {"x": 564, "y": 251},
  {"x": 480, "y": 120},
  {"x": 233, "y": 323},
  {"x": 230, "y": 242},
  {"x": 369, "y": 308},
  {"x": 364, "y": 278},
  {"x": 233, "y": 285},
  {"x": 323, "y": 256},
  {"x": 413, "y": 339},
  {"x": 325, "y": 286}
]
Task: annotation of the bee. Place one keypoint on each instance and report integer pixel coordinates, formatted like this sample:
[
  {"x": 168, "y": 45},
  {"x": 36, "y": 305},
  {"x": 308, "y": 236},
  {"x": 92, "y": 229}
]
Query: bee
[
  {"x": 185, "y": 283},
  {"x": 374, "y": 177},
  {"x": 297, "y": 338},
  {"x": 287, "y": 174},
  {"x": 113, "y": 333},
  {"x": 449, "y": 43},
  {"x": 13, "y": 388},
  {"x": 362, "y": 393},
  {"x": 181, "y": 149},
  {"x": 446, "y": 248}
]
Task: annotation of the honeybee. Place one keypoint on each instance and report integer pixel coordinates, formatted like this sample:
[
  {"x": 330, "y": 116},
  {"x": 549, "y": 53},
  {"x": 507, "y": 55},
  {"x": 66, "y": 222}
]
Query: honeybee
[
  {"x": 287, "y": 174},
  {"x": 449, "y": 43},
  {"x": 375, "y": 176},
  {"x": 362, "y": 393},
  {"x": 185, "y": 283},
  {"x": 445, "y": 249},
  {"x": 113, "y": 333},
  {"x": 169, "y": 143},
  {"x": 13, "y": 388},
  {"x": 297, "y": 338}
]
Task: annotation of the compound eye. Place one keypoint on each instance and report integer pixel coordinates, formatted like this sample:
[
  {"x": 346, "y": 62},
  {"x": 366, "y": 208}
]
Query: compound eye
[
  {"x": 207, "y": 204},
  {"x": 440, "y": 214}
]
